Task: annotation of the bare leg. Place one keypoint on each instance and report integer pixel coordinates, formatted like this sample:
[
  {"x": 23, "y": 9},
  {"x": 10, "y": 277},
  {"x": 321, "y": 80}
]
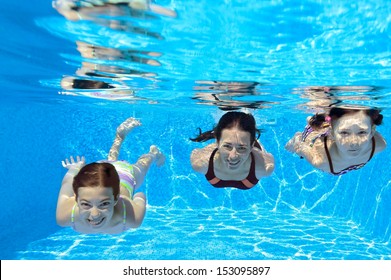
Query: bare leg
[
  {"x": 139, "y": 4},
  {"x": 144, "y": 163},
  {"x": 122, "y": 130}
]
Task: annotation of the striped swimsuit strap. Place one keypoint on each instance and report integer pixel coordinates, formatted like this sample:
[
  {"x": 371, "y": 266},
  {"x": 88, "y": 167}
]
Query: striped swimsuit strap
[{"x": 350, "y": 168}]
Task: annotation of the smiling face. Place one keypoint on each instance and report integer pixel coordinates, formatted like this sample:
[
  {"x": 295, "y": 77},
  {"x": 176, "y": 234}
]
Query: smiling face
[
  {"x": 234, "y": 147},
  {"x": 96, "y": 206},
  {"x": 353, "y": 133}
]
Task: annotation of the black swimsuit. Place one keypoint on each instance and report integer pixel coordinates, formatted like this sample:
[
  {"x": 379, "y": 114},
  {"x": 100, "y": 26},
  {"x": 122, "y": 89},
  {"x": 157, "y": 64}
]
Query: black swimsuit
[{"x": 244, "y": 184}]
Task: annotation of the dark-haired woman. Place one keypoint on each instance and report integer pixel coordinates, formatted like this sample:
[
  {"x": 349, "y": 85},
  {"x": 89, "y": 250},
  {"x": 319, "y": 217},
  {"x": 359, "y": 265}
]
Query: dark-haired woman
[
  {"x": 343, "y": 140},
  {"x": 99, "y": 197},
  {"x": 236, "y": 159}
]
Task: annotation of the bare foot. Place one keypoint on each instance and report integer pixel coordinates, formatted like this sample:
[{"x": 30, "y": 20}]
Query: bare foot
[
  {"x": 159, "y": 157},
  {"x": 127, "y": 126},
  {"x": 142, "y": 5}
]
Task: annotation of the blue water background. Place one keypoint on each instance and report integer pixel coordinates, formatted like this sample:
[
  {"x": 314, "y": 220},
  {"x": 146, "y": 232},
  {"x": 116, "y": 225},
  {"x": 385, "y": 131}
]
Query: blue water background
[{"x": 296, "y": 213}]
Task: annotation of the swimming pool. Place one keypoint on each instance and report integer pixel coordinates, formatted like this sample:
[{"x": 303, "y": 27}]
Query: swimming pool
[{"x": 280, "y": 49}]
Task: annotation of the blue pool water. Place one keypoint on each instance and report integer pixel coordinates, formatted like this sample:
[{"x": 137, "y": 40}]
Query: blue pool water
[{"x": 280, "y": 48}]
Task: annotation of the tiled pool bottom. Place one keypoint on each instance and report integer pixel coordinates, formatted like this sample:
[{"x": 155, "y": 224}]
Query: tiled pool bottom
[{"x": 217, "y": 234}]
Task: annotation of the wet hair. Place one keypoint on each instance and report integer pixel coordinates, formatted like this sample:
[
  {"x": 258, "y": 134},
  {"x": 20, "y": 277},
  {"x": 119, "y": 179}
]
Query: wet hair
[
  {"x": 90, "y": 84},
  {"x": 242, "y": 121},
  {"x": 97, "y": 175},
  {"x": 337, "y": 112}
]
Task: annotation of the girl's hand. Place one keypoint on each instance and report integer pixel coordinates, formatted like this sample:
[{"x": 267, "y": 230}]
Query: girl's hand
[{"x": 78, "y": 164}]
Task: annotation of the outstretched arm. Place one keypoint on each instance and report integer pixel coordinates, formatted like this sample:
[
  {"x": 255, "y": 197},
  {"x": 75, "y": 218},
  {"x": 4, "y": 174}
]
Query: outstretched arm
[
  {"x": 312, "y": 152},
  {"x": 199, "y": 158},
  {"x": 66, "y": 197},
  {"x": 122, "y": 131},
  {"x": 381, "y": 143},
  {"x": 294, "y": 144},
  {"x": 264, "y": 162},
  {"x": 144, "y": 163}
]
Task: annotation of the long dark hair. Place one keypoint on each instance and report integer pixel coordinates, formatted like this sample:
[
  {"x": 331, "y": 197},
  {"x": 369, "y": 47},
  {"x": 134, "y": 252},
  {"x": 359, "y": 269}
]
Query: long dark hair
[
  {"x": 243, "y": 121},
  {"x": 318, "y": 120},
  {"x": 97, "y": 175}
]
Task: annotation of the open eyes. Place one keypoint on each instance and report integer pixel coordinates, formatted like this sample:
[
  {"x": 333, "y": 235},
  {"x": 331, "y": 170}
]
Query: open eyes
[
  {"x": 240, "y": 149},
  {"x": 86, "y": 205}
]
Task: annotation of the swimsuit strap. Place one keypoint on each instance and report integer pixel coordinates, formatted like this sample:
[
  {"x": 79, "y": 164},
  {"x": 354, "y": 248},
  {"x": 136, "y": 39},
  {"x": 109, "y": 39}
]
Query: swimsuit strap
[
  {"x": 308, "y": 130},
  {"x": 350, "y": 168},
  {"x": 328, "y": 156},
  {"x": 251, "y": 179},
  {"x": 123, "y": 213},
  {"x": 248, "y": 182},
  {"x": 210, "y": 174},
  {"x": 73, "y": 215}
]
